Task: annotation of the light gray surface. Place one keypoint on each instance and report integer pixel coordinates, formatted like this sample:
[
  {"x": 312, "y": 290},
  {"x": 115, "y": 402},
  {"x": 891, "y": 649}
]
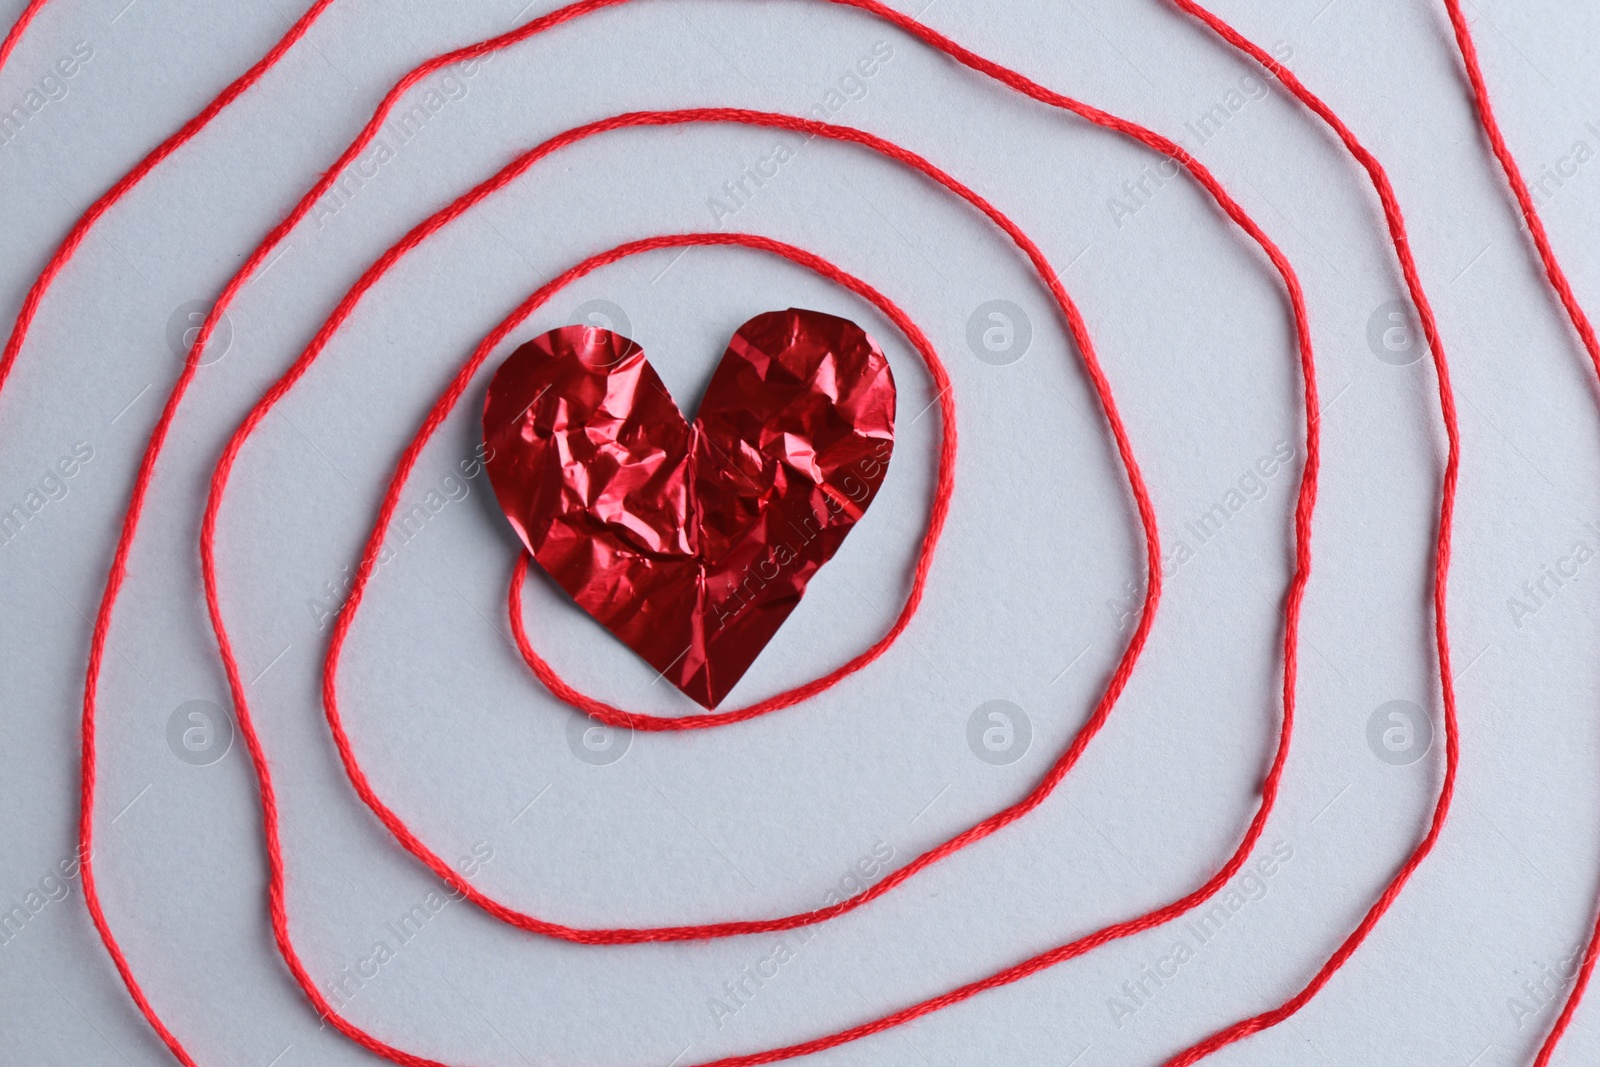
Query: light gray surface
[{"x": 768, "y": 817}]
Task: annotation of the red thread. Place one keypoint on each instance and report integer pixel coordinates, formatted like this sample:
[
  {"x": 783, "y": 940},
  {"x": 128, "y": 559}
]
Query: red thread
[
  {"x": 18, "y": 28},
  {"x": 1395, "y": 220},
  {"x": 1586, "y": 333},
  {"x": 1015, "y": 81},
  {"x": 124, "y": 185}
]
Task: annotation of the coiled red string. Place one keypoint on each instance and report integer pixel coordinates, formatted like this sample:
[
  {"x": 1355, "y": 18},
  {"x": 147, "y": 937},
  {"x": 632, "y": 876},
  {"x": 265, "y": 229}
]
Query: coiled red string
[
  {"x": 1302, "y": 516},
  {"x": 275, "y": 861},
  {"x": 1591, "y": 344},
  {"x": 439, "y": 412}
]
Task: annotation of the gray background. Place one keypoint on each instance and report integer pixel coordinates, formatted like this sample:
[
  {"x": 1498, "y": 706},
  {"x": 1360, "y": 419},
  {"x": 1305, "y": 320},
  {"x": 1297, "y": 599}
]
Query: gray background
[{"x": 769, "y": 817}]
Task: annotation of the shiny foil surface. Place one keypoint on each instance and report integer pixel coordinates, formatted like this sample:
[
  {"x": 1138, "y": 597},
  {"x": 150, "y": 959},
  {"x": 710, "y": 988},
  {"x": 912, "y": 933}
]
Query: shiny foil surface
[{"x": 691, "y": 542}]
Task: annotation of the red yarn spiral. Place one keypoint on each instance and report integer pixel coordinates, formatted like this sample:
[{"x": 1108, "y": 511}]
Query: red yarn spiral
[{"x": 1302, "y": 519}]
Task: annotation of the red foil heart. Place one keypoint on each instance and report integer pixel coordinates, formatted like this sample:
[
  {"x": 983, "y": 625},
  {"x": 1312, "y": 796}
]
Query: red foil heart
[{"x": 691, "y": 542}]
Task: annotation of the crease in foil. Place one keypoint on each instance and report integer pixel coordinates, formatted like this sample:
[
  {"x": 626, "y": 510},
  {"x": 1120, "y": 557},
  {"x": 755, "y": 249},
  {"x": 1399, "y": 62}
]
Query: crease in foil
[{"x": 691, "y": 543}]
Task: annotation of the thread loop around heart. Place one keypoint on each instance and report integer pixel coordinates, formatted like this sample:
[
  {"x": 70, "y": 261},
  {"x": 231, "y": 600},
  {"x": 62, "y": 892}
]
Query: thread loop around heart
[{"x": 691, "y": 542}]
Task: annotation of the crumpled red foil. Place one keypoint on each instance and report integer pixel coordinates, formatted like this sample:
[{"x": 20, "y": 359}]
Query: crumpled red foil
[{"x": 691, "y": 543}]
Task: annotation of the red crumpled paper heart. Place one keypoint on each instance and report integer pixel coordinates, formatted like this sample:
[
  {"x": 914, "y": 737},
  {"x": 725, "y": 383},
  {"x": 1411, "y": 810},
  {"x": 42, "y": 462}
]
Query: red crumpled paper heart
[{"x": 691, "y": 542}]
